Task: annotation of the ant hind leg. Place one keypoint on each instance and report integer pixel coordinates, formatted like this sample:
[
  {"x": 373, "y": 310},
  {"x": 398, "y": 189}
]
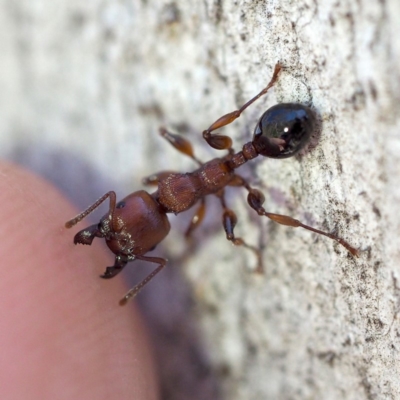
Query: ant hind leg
[
  {"x": 222, "y": 142},
  {"x": 255, "y": 199},
  {"x": 229, "y": 220}
]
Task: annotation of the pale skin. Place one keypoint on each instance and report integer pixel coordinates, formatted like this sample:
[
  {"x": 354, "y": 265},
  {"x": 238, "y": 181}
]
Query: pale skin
[{"x": 63, "y": 334}]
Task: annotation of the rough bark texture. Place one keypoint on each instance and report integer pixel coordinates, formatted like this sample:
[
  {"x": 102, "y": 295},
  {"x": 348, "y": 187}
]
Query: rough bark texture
[{"x": 84, "y": 88}]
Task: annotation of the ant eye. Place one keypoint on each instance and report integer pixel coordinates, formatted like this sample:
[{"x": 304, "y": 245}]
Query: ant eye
[
  {"x": 283, "y": 130},
  {"x": 120, "y": 204}
]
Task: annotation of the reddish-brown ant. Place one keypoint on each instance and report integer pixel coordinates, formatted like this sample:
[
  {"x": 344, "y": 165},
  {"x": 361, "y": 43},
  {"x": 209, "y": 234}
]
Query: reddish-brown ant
[{"x": 135, "y": 225}]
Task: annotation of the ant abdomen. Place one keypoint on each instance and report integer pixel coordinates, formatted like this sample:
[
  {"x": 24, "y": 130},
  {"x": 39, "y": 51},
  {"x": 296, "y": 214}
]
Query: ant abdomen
[{"x": 283, "y": 130}]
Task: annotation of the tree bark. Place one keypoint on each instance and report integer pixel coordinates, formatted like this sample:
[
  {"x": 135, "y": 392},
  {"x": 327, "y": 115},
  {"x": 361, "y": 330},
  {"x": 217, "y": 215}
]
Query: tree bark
[{"x": 85, "y": 86}]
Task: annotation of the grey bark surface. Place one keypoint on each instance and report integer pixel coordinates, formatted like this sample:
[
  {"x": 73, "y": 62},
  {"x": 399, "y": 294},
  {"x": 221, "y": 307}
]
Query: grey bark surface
[{"x": 84, "y": 88}]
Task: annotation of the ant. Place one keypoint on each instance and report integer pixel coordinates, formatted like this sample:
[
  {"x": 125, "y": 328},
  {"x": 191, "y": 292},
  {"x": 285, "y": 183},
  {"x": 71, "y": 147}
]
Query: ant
[{"x": 135, "y": 225}]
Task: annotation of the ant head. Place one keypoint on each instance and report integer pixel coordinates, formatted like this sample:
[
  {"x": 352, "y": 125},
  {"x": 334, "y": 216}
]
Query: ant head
[
  {"x": 283, "y": 130},
  {"x": 137, "y": 225}
]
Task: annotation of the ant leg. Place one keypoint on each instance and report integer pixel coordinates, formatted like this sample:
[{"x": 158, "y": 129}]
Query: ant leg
[
  {"x": 181, "y": 144},
  {"x": 197, "y": 218},
  {"x": 221, "y": 142},
  {"x": 154, "y": 179},
  {"x": 83, "y": 214},
  {"x": 136, "y": 289},
  {"x": 255, "y": 199},
  {"x": 229, "y": 221}
]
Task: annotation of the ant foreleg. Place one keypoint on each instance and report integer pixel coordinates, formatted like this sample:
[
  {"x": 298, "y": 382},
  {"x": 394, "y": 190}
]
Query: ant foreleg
[
  {"x": 83, "y": 214},
  {"x": 255, "y": 199},
  {"x": 197, "y": 218},
  {"x": 221, "y": 142},
  {"x": 136, "y": 289},
  {"x": 229, "y": 221},
  {"x": 181, "y": 144}
]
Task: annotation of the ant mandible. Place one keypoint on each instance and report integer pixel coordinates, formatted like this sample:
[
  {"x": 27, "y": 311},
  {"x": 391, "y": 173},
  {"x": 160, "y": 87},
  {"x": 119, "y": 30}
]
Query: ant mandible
[{"x": 135, "y": 225}]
